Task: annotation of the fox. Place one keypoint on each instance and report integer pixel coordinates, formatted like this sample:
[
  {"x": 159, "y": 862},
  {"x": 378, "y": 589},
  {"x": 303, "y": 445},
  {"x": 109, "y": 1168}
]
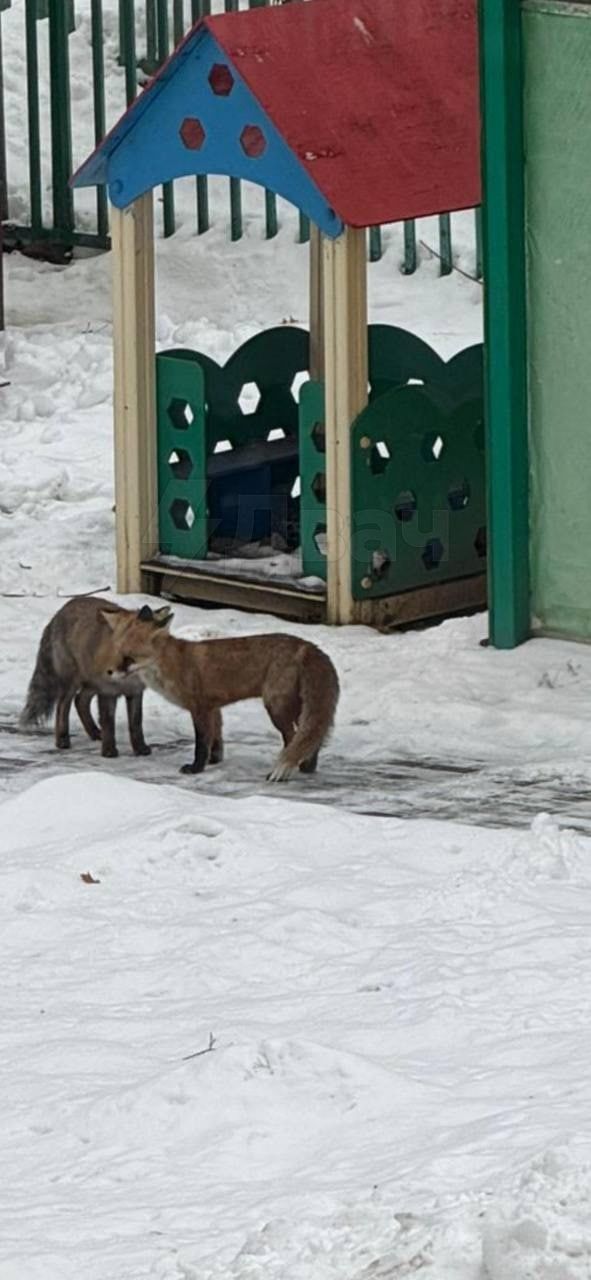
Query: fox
[
  {"x": 297, "y": 682},
  {"x": 76, "y": 647}
]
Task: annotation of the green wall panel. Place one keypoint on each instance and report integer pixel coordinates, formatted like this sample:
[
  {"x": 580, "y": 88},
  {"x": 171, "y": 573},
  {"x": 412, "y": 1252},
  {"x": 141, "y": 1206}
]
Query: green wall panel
[{"x": 557, "y": 110}]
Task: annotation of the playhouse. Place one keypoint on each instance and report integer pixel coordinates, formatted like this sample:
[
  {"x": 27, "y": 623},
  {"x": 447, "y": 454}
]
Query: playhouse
[{"x": 362, "y": 446}]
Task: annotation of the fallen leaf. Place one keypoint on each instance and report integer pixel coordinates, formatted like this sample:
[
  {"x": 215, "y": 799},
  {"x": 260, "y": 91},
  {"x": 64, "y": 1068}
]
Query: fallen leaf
[{"x": 87, "y": 878}]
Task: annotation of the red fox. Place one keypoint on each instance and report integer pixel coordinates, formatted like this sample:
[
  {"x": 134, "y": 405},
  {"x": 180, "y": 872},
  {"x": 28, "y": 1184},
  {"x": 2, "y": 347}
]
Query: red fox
[
  {"x": 76, "y": 648},
  {"x": 296, "y": 681}
]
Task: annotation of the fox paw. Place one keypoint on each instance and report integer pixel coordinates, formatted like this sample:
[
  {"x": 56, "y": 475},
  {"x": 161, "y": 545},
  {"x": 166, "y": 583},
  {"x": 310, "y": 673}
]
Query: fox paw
[
  {"x": 281, "y": 773},
  {"x": 109, "y": 753},
  {"x": 143, "y": 750}
]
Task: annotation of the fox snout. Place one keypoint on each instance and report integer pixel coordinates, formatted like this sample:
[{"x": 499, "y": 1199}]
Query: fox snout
[{"x": 126, "y": 666}]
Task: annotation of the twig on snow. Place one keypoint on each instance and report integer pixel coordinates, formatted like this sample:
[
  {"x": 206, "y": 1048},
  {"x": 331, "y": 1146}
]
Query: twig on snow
[
  {"x": 200, "y": 1052},
  {"x": 435, "y": 254}
]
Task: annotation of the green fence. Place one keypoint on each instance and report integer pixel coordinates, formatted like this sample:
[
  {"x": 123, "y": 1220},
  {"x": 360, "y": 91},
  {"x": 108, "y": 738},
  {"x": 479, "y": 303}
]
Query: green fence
[{"x": 147, "y": 32}]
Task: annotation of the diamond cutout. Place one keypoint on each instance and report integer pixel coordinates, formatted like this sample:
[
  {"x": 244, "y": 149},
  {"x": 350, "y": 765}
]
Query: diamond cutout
[
  {"x": 458, "y": 495},
  {"x": 182, "y": 514},
  {"x": 319, "y": 539},
  {"x": 180, "y": 463},
  {"x": 180, "y": 413},
  {"x": 379, "y": 457},
  {"x": 433, "y": 553},
  {"x": 318, "y": 434},
  {"x": 405, "y": 506},
  {"x": 432, "y": 447}
]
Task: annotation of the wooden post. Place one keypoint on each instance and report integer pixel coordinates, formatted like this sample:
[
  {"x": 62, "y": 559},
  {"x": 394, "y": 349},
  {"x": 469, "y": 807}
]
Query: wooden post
[
  {"x": 344, "y": 289},
  {"x": 136, "y": 495},
  {"x": 316, "y": 306}
]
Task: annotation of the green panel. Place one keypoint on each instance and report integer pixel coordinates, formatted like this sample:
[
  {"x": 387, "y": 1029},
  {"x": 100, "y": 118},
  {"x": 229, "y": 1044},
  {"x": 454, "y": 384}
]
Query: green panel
[
  {"x": 504, "y": 313},
  {"x": 557, "y": 49},
  {"x": 395, "y": 355},
  {"x": 417, "y": 491},
  {"x": 313, "y": 480},
  {"x": 182, "y": 511},
  {"x": 265, "y": 367},
  {"x": 271, "y": 361}
]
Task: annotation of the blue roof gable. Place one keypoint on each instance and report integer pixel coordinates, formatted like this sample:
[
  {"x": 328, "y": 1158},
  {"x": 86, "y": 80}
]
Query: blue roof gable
[{"x": 199, "y": 117}]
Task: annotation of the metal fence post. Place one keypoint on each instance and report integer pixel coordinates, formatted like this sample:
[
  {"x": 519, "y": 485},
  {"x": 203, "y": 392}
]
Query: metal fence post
[
  {"x": 33, "y": 118},
  {"x": 163, "y": 50},
  {"x": 98, "y": 90},
  {"x": 503, "y": 228},
  {"x": 61, "y": 121}
]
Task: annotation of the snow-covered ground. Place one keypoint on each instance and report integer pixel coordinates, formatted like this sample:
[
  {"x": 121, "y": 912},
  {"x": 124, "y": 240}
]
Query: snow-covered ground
[{"x": 335, "y": 1030}]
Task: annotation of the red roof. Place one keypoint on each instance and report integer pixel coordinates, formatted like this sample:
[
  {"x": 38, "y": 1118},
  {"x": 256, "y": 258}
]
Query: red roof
[{"x": 378, "y": 98}]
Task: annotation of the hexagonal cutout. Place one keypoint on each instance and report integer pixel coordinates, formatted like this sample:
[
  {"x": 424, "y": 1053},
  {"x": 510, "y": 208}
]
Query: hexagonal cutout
[
  {"x": 298, "y": 382},
  {"x": 276, "y": 433},
  {"x": 458, "y": 495},
  {"x": 433, "y": 553},
  {"x": 432, "y": 446},
  {"x": 192, "y": 133},
  {"x": 182, "y": 514},
  {"x": 480, "y": 542},
  {"x": 318, "y": 486},
  {"x": 180, "y": 463},
  {"x": 319, "y": 539},
  {"x": 405, "y": 506},
  {"x": 318, "y": 434},
  {"x": 180, "y": 413},
  {"x": 379, "y": 457},
  {"x": 296, "y": 488},
  {"x": 223, "y": 446},
  {"x": 380, "y": 563},
  {"x": 250, "y": 397},
  {"x": 253, "y": 141},
  {"x": 221, "y": 80}
]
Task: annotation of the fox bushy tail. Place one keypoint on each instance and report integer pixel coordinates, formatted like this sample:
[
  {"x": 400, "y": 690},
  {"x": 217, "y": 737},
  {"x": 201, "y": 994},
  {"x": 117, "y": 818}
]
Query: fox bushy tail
[
  {"x": 44, "y": 686},
  {"x": 319, "y": 694}
]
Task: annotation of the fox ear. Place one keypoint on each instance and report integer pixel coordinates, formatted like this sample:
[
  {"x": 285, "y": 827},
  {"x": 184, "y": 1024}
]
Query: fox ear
[
  {"x": 145, "y": 614},
  {"x": 163, "y": 622},
  {"x": 111, "y": 619}
]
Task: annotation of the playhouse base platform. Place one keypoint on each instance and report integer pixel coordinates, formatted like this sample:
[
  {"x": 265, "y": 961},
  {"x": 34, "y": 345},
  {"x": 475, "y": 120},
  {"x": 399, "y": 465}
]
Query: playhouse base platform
[{"x": 201, "y": 581}]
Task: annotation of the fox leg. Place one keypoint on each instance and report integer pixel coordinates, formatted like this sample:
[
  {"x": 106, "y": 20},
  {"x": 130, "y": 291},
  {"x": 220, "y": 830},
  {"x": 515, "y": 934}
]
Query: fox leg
[
  {"x": 62, "y": 719},
  {"x": 283, "y": 715},
  {"x": 134, "y": 720},
  {"x": 202, "y": 727},
  {"x": 107, "y": 722},
  {"x": 82, "y": 703},
  {"x": 311, "y": 764},
  {"x": 216, "y": 754}
]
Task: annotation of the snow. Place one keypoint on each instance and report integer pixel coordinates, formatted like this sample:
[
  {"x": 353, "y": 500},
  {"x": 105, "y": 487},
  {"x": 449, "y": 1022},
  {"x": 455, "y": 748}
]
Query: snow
[{"x": 335, "y": 1030}]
